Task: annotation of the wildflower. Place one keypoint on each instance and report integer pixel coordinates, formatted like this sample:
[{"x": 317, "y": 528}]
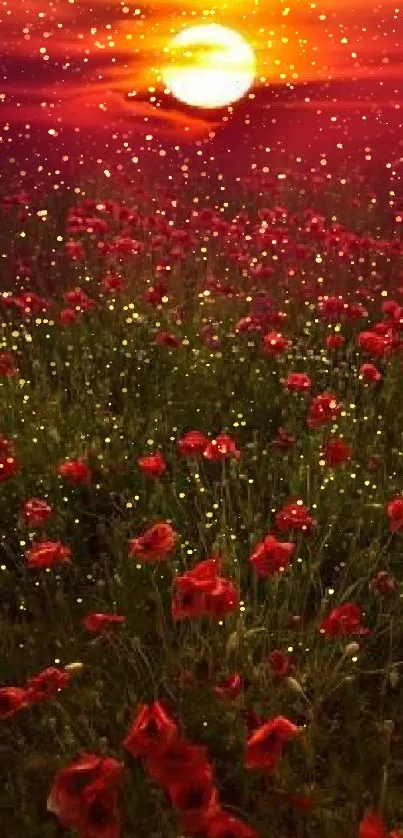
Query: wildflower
[
  {"x": 152, "y": 465},
  {"x": 335, "y": 341},
  {"x": 230, "y": 688},
  {"x": 298, "y": 381},
  {"x": 275, "y": 343},
  {"x": 151, "y": 732},
  {"x": 294, "y": 517},
  {"x": 395, "y": 514},
  {"x": 100, "y": 623},
  {"x": 84, "y": 790},
  {"x": 370, "y": 373},
  {"x": 281, "y": 664},
  {"x": 12, "y": 700},
  {"x": 155, "y": 544},
  {"x": 345, "y": 619},
  {"x": 324, "y": 408},
  {"x": 76, "y": 472},
  {"x": 179, "y": 760},
  {"x": 271, "y": 556},
  {"x": 265, "y": 746},
  {"x": 36, "y": 512},
  {"x": 195, "y": 799},
  {"x": 221, "y": 448},
  {"x": 47, "y": 684},
  {"x": 383, "y": 583},
  {"x": 337, "y": 452},
  {"x": 192, "y": 445},
  {"x": 45, "y": 554}
]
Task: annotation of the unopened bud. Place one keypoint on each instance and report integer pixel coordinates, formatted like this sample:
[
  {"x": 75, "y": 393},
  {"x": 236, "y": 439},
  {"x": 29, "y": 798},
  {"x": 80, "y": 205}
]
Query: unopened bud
[
  {"x": 74, "y": 667},
  {"x": 351, "y": 650}
]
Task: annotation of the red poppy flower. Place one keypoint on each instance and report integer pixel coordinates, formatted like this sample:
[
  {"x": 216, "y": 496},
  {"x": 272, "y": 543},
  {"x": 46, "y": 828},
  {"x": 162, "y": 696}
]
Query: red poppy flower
[
  {"x": 101, "y": 817},
  {"x": 195, "y": 800},
  {"x": 99, "y": 623},
  {"x": 370, "y": 373},
  {"x": 335, "y": 341},
  {"x": 231, "y": 688},
  {"x": 47, "y": 684},
  {"x": 372, "y": 826},
  {"x": 337, "y": 452},
  {"x": 153, "y": 465},
  {"x": 281, "y": 665},
  {"x": 395, "y": 514},
  {"x": 221, "y": 448},
  {"x": 75, "y": 787},
  {"x": 68, "y": 316},
  {"x": 223, "y": 825},
  {"x": 164, "y": 338},
  {"x": 151, "y": 732},
  {"x": 270, "y": 556},
  {"x": 112, "y": 283},
  {"x": 345, "y": 619},
  {"x": 374, "y": 344},
  {"x": 265, "y": 746},
  {"x": 12, "y": 699},
  {"x": 193, "y": 444},
  {"x": 177, "y": 763},
  {"x": 9, "y": 467},
  {"x": 275, "y": 343},
  {"x": 223, "y": 600},
  {"x": 202, "y": 577},
  {"x": 8, "y": 366},
  {"x": 36, "y": 512},
  {"x": 76, "y": 472},
  {"x": 48, "y": 554},
  {"x": 294, "y": 517},
  {"x": 383, "y": 583},
  {"x": 324, "y": 408},
  {"x": 155, "y": 544},
  {"x": 79, "y": 299},
  {"x": 298, "y": 381}
]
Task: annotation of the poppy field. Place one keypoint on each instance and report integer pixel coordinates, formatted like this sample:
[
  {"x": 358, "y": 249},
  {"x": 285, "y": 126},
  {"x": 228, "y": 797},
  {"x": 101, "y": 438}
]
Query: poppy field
[{"x": 201, "y": 495}]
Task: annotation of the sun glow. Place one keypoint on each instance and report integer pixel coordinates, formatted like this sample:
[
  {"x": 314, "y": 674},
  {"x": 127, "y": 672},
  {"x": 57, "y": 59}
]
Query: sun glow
[{"x": 210, "y": 66}]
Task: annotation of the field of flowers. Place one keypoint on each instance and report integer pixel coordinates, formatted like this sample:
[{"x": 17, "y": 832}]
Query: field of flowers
[{"x": 201, "y": 495}]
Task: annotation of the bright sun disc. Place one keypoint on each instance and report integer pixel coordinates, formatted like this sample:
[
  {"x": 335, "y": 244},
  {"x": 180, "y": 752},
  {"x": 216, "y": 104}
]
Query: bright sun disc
[{"x": 211, "y": 66}]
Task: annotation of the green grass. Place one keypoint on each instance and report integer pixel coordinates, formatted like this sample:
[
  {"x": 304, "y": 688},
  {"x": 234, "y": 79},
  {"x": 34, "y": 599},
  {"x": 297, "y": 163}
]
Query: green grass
[{"x": 102, "y": 389}]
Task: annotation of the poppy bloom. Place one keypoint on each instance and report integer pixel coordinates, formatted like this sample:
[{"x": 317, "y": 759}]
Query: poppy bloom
[
  {"x": 8, "y": 366},
  {"x": 100, "y": 817},
  {"x": 265, "y": 746},
  {"x": 99, "y": 623},
  {"x": 179, "y": 760},
  {"x": 395, "y": 514},
  {"x": 270, "y": 556},
  {"x": 75, "y": 787},
  {"x": 164, "y": 338},
  {"x": 298, "y": 381},
  {"x": 345, "y": 619},
  {"x": 36, "y": 512},
  {"x": 223, "y": 825},
  {"x": 151, "y": 732},
  {"x": 12, "y": 699},
  {"x": 370, "y": 373},
  {"x": 153, "y": 465},
  {"x": 372, "y": 826},
  {"x": 195, "y": 799},
  {"x": 68, "y": 316},
  {"x": 230, "y": 688},
  {"x": 275, "y": 343},
  {"x": 76, "y": 472},
  {"x": 9, "y": 467},
  {"x": 281, "y": 665},
  {"x": 47, "y": 684},
  {"x": 155, "y": 544},
  {"x": 374, "y": 344},
  {"x": 48, "y": 554},
  {"x": 112, "y": 283},
  {"x": 324, "y": 408},
  {"x": 223, "y": 599},
  {"x": 294, "y": 517},
  {"x": 221, "y": 448},
  {"x": 383, "y": 583},
  {"x": 337, "y": 452},
  {"x": 192, "y": 445},
  {"x": 335, "y": 341}
]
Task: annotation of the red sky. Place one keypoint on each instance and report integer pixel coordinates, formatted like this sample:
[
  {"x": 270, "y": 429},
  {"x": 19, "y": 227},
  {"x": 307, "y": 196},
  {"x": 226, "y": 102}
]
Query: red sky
[{"x": 68, "y": 65}]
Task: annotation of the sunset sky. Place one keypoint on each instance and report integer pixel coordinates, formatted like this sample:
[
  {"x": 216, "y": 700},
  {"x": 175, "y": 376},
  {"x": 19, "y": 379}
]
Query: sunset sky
[{"x": 95, "y": 65}]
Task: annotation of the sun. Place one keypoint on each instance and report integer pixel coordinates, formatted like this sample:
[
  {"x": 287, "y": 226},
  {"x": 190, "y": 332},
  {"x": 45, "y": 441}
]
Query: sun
[{"x": 210, "y": 66}]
